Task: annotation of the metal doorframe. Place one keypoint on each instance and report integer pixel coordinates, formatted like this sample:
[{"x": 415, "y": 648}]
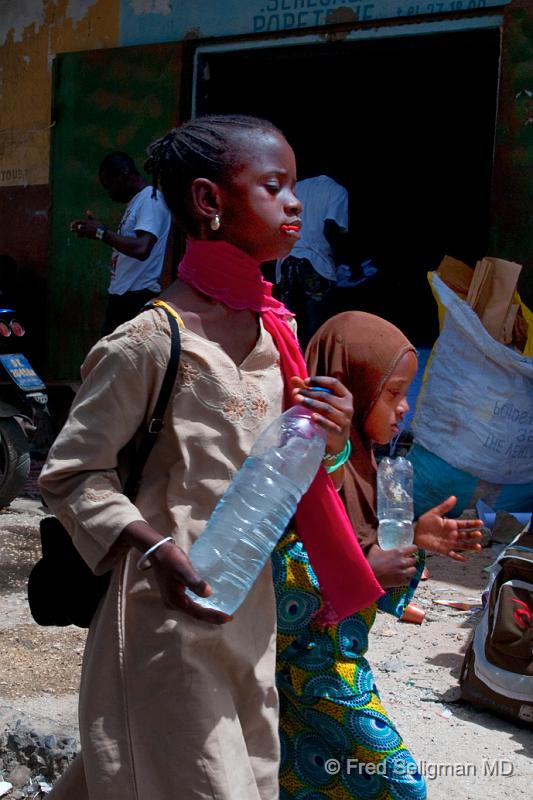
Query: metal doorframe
[{"x": 455, "y": 25}]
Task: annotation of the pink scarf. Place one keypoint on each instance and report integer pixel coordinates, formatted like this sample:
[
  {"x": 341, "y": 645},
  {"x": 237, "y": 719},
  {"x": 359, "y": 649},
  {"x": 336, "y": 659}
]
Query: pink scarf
[{"x": 225, "y": 273}]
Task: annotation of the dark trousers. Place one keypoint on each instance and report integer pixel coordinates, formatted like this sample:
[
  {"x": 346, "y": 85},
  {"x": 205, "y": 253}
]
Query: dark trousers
[
  {"x": 121, "y": 307},
  {"x": 304, "y": 291}
]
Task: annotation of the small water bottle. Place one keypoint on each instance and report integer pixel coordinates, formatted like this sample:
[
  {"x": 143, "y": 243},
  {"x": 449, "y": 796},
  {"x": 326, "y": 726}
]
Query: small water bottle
[
  {"x": 256, "y": 508},
  {"x": 395, "y": 503}
]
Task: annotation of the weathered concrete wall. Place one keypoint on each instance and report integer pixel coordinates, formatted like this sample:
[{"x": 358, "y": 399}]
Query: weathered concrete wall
[{"x": 31, "y": 33}]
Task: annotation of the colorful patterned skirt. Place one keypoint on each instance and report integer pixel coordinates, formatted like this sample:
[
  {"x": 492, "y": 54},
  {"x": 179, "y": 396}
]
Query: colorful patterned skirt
[{"x": 337, "y": 742}]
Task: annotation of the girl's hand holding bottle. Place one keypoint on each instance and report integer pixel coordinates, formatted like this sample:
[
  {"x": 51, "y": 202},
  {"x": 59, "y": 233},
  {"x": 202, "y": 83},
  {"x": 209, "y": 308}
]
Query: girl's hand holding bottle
[
  {"x": 332, "y": 409},
  {"x": 173, "y": 572},
  {"x": 393, "y": 567},
  {"x": 438, "y": 534}
]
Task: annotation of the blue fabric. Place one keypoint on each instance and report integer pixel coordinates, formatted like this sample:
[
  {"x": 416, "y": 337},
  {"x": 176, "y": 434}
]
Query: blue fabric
[{"x": 435, "y": 480}]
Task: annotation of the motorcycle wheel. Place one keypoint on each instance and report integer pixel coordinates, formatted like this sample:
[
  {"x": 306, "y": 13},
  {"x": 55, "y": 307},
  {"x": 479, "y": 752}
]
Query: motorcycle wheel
[{"x": 15, "y": 460}]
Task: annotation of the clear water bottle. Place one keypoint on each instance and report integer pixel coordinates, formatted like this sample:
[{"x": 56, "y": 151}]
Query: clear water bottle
[
  {"x": 256, "y": 508},
  {"x": 395, "y": 503}
]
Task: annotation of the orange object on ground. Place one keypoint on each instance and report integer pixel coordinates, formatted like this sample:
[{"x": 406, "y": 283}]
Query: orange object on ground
[{"x": 413, "y": 614}]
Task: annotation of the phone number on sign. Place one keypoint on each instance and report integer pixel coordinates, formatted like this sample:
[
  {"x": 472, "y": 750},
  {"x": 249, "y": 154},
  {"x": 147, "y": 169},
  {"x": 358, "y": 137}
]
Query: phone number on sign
[{"x": 438, "y": 7}]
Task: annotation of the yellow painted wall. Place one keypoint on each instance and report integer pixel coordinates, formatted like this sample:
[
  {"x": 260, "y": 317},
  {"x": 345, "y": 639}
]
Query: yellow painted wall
[{"x": 29, "y": 40}]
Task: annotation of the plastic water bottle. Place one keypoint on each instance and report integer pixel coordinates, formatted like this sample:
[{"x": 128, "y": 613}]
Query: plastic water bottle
[
  {"x": 395, "y": 503},
  {"x": 256, "y": 508}
]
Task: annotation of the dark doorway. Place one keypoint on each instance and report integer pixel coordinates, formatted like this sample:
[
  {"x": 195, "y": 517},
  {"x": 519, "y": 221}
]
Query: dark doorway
[{"x": 406, "y": 124}]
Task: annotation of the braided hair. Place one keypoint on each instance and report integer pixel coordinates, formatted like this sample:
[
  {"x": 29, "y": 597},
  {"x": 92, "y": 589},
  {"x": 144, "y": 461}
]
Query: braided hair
[{"x": 211, "y": 147}]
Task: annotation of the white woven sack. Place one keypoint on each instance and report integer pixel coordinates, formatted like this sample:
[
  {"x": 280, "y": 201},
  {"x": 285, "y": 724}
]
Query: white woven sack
[{"x": 475, "y": 409}]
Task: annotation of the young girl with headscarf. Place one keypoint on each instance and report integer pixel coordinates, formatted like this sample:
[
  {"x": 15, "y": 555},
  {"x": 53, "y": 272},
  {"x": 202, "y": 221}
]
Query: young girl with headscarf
[{"x": 337, "y": 741}]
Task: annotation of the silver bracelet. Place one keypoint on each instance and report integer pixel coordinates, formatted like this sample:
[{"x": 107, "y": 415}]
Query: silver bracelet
[{"x": 143, "y": 564}]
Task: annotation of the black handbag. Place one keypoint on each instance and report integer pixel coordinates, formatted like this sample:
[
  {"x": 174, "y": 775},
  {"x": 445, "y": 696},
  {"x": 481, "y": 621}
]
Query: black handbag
[{"x": 62, "y": 589}]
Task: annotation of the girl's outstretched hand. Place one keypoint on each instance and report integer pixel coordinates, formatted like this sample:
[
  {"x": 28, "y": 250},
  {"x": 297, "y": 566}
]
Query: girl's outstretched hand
[
  {"x": 438, "y": 534},
  {"x": 332, "y": 410}
]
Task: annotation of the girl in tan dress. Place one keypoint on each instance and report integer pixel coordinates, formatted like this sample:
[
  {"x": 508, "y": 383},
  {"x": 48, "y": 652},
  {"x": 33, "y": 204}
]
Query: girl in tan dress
[{"x": 178, "y": 702}]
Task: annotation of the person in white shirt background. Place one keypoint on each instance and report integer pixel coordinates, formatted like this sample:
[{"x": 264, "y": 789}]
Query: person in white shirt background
[
  {"x": 138, "y": 245},
  {"x": 306, "y": 277}
]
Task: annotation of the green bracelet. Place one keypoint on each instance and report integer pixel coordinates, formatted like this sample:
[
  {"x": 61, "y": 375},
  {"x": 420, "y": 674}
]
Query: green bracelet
[{"x": 339, "y": 459}]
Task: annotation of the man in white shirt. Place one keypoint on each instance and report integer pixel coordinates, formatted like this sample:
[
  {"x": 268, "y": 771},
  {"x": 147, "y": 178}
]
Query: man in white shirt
[
  {"x": 138, "y": 245},
  {"x": 309, "y": 273}
]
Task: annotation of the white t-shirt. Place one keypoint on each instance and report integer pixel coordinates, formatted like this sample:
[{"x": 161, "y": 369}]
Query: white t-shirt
[
  {"x": 143, "y": 213},
  {"x": 322, "y": 199}
]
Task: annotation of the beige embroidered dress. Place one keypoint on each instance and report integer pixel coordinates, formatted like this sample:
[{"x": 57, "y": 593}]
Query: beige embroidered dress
[{"x": 170, "y": 708}]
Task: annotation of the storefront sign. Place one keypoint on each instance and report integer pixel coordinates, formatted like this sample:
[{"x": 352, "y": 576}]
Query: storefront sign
[{"x": 146, "y": 21}]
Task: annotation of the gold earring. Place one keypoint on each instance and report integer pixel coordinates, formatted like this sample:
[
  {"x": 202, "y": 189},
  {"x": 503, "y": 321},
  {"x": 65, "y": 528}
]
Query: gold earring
[{"x": 215, "y": 223}]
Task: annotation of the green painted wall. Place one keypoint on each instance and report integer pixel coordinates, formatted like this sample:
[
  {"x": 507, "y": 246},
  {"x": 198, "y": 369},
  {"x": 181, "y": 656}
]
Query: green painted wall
[
  {"x": 512, "y": 193},
  {"x": 103, "y": 100}
]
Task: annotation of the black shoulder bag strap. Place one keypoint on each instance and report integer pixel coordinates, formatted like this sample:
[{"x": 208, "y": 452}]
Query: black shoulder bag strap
[
  {"x": 62, "y": 590},
  {"x": 155, "y": 424}
]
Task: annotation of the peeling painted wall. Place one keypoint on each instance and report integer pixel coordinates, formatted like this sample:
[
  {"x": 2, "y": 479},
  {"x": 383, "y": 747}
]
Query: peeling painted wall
[{"x": 31, "y": 33}]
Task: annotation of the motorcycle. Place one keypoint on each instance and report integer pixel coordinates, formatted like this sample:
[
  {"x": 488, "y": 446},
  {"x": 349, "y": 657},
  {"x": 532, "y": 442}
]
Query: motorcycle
[{"x": 23, "y": 408}]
